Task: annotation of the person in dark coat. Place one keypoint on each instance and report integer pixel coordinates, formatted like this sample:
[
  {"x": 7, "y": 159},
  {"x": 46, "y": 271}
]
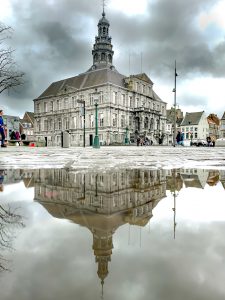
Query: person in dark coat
[{"x": 2, "y": 129}]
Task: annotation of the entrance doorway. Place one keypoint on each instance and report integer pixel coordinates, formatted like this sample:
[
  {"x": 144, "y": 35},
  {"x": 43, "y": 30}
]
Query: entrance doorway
[{"x": 91, "y": 139}]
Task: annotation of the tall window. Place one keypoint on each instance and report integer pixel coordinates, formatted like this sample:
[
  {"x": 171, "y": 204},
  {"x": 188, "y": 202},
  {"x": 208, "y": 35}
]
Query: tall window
[
  {"x": 51, "y": 106},
  {"x": 66, "y": 103},
  {"x": 45, "y": 125},
  {"x": 74, "y": 122},
  {"x": 114, "y": 120},
  {"x": 91, "y": 121},
  {"x": 115, "y": 97},
  {"x": 38, "y": 107},
  {"x": 45, "y": 107},
  {"x": 101, "y": 120},
  {"x": 59, "y": 124},
  {"x": 123, "y": 100},
  {"x": 122, "y": 121}
]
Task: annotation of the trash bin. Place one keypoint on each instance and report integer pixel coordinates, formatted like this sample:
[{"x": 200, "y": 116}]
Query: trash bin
[{"x": 65, "y": 139}]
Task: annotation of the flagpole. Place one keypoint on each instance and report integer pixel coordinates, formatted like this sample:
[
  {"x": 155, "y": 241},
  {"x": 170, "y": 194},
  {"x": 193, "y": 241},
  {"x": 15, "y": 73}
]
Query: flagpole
[{"x": 175, "y": 104}]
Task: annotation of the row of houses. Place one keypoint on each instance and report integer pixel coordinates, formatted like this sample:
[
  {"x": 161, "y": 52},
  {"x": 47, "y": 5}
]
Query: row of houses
[
  {"x": 23, "y": 126},
  {"x": 194, "y": 125}
]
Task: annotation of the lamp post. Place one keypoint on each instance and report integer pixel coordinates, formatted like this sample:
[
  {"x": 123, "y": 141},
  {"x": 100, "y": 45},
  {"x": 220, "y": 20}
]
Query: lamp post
[
  {"x": 175, "y": 104},
  {"x": 126, "y": 138},
  {"x": 96, "y": 139},
  {"x": 83, "y": 102}
]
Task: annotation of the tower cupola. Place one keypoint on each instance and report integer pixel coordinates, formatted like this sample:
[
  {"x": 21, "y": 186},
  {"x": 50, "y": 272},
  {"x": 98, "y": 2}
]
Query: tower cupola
[{"x": 102, "y": 50}]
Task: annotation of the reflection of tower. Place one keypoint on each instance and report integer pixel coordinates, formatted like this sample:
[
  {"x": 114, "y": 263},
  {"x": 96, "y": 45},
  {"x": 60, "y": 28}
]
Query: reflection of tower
[{"x": 102, "y": 246}]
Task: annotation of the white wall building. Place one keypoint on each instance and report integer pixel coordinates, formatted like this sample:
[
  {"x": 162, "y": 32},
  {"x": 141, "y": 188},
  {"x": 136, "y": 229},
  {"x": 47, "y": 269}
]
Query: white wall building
[
  {"x": 195, "y": 126},
  {"x": 127, "y": 104}
]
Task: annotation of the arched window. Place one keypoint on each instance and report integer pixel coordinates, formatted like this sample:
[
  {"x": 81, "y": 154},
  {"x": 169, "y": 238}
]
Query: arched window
[
  {"x": 96, "y": 57},
  {"x": 152, "y": 124},
  {"x": 110, "y": 58},
  {"x": 146, "y": 123},
  {"x": 104, "y": 30},
  {"x": 103, "y": 56}
]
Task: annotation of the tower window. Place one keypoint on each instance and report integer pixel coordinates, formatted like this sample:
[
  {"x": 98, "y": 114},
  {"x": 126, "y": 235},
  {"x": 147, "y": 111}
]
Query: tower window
[
  {"x": 104, "y": 30},
  {"x": 96, "y": 57},
  {"x": 103, "y": 56},
  {"x": 110, "y": 58}
]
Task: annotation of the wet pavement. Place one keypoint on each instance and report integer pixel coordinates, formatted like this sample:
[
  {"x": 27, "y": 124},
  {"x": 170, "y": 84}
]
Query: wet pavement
[{"x": 113, "y": 157}]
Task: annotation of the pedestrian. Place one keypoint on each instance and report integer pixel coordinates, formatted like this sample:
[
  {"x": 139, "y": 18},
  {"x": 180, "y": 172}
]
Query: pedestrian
[
  {"x": 2, "y": 173},
  {"x": 138, "y": 140},
  {"x": 182, "y": 139},
  {"x": 2, "y": 129},
  {"x": 178, "y": 138},
  {"x": 208, "y": 140}
]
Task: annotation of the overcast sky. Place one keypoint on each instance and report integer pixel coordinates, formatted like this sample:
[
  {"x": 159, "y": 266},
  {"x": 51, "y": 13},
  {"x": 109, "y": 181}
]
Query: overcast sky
[{"x": 53, "y": 40}]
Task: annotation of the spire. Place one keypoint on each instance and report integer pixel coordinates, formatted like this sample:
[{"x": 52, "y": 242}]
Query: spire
[{"x": 102, "y": 49}]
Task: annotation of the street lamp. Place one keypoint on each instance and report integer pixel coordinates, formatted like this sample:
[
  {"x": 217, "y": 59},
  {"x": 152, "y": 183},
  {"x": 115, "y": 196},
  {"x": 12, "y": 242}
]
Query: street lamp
[
  {"x": 175, "y": 104},
  {"x": 83, "y": 102},
  {"x": 96, "y": 139}
]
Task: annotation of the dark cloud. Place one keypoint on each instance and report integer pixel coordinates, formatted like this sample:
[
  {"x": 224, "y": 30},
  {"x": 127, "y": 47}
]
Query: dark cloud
[{"x": 53, "y": 40}]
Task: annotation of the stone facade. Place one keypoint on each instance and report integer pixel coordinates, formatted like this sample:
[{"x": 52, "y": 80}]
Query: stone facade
[{"x": 127, "y": 105}]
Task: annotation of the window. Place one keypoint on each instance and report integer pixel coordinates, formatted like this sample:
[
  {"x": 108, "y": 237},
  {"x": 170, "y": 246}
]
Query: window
[
  {"x": 115, "y": 97},
  {"x": 66, "y": 123},
  {"x": 66, "y": 103},
  {"x": 123, "y": 100},
  {"x": 45, "y": 125},
  {"x": 59, "y": 124},
  {"x": 91, "y": 121},
  {"x": 101, "y": 119},
  {"x": 114, "y": 120},
  {"x": 122, "y": 121},
  {"x": 38, "y": 107},
  {"x": 131, "y": 101},
  {"x": 74, "y": 122},
  {"x": 187, "y": 128},
  {"x": 130, "y": 121},
  {"x": 196, "y": 128},
  {"x": 91, "y": 99},
  {"x": 51, "y": 106},
  {"x": 196, "y": 135},
  {"x": 45, "y": 107},
  {"x": 101, "y": 97}
]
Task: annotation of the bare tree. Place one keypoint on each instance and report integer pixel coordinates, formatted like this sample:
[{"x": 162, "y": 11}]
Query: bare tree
[
  {"x": 10, "y": 77},
  {"x": 9, "y": 221}
]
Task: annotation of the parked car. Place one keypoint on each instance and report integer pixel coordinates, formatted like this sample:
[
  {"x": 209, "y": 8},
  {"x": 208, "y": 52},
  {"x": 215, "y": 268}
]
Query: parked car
[
  {"x": 199, "y": 142},
  {"x": 220, "y": 142}
]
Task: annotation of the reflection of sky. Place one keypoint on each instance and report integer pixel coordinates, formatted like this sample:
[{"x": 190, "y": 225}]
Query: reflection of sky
[{"x": 54, "y": 258}]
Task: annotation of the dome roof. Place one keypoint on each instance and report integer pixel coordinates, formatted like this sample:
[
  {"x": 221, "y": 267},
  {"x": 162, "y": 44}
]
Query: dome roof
[{"x": 103, "y": 20}]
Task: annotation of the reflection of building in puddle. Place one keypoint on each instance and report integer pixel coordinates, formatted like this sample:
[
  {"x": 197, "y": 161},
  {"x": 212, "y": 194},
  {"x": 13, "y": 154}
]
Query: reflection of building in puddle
[
  {"x": 101, "y": 202},
  {"x": 222, "y": 178},
  {"x": 195, "y": 178},
  {"x": 13, "y": 176},
  {"x": 213, "y": 178}
]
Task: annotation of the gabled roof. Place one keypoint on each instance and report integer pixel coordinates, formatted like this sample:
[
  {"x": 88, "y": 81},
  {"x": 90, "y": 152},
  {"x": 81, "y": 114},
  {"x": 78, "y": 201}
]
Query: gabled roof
[
  {"x": 142, "y": 77},
  {"x": 83, "y": 81},
  {"x": 192, "y": 118},
  {"x": 223, "y": 117}
]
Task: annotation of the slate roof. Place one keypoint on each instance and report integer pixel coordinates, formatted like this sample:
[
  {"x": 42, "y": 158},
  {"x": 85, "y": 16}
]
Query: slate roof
[
  {"x": 192, "y": 118},
  {"x": 85, "y": 80}
]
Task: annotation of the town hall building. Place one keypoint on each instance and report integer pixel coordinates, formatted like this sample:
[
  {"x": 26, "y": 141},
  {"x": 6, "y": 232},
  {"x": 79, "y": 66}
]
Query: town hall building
[{"x": 127, "y": 106}]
